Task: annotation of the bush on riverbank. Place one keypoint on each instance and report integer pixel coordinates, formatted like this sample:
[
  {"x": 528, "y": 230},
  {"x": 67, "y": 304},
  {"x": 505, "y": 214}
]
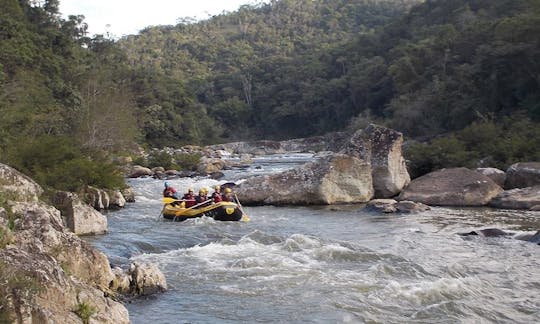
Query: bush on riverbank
[
  {"x": 60, "y": 163},
  {"x": 486, "y": 144}
]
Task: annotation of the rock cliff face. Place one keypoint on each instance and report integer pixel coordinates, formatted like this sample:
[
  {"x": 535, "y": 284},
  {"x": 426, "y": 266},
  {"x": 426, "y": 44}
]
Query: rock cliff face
[{"x": 49, "y": 274}]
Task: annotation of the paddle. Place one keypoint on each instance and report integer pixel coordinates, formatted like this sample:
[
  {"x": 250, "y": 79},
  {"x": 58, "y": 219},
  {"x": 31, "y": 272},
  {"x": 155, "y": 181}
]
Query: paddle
[
  {"x": 170, "y": 200},
  {"x": 245, "y": 217},
  {"x": 183, "y": 210}
]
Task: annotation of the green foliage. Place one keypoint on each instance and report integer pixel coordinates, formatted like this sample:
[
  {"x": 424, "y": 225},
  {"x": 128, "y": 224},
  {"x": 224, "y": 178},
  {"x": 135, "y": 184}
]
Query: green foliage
[
  {"x": 186, "y": 161},
  {"x": 4, "y": 197},
  {"x": 160, "y": 159},
  {"x": 484, "y": 144},
  {"x": 84, "y": 311},
  {"x": 60, "y": 163},
  {"x": 6, "y": 237}
]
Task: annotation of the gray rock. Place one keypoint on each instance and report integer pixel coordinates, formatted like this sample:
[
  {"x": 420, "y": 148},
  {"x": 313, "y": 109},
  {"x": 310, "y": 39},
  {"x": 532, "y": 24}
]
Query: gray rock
[
  {"x": 382, "y": 205},
  {"x": 146, "y": 279},
  {"x": 117, "y": 199},
  {"x": 406, "y": 206},
  {"x": 79, "y": 217},
  {"x": 334, "y": 179},
  {"x": 128, "y": 194},
  {"x": 17, "y": 186},
  {"x": 451, "y": 187},
  {"x": 524, "y": 198},
  {"x": 139, "y": 171},
  {"x": 522, "y": 175},
  {"x": 389, "y": 171},
  {"x": 498, "y": 176}
]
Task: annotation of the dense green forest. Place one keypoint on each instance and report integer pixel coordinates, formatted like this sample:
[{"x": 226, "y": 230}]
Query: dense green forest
[{"x": 461, "y": 80}]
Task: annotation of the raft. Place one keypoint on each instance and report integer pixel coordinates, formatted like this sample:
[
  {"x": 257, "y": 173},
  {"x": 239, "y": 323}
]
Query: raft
[{"x": 222, "y": 211}]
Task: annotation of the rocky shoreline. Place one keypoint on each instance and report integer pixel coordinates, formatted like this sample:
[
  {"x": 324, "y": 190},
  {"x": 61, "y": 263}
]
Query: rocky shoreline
[{"x": 49, "y": 274}]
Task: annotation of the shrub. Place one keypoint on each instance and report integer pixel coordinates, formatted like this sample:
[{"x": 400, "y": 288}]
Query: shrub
[
  {"x": 160, "y": 159},
  {"x": 59, "y": 163},
  {"x": 84, "y": 311},
  {"x": 186, "y": 161},
  {"x": 486, "y": 144}
]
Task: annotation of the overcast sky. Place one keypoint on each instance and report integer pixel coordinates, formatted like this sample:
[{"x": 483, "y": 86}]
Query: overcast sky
[{"x": 126, "y": 17}]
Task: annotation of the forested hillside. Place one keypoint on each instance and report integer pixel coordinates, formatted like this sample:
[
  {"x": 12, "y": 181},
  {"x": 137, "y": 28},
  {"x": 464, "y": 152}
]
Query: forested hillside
[
  {"x": 258, "y": 72},
  {"x": 462, "y": 77}
]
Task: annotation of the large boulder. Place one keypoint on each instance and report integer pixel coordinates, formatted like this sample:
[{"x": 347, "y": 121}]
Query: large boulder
[
  {"x": 146, "y": 279},
  {"x": 333, "y": 179},
  {"x": 522, "y": 175},
  {"x": 452, "y": 187},
  {"x": 79, "y": 217},
  {"x": 210, "y": 165},
  {"x": 498, "y": 176},
  {"x": 17, "y": 186},
  {"x": 140, "y": 171},
  {"x": 519, "y": 198},
  {"x": 388, "y": 168}
]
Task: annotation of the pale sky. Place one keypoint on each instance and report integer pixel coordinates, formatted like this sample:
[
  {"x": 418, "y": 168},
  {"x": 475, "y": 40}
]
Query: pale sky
[{"x": 127, "y": 17}]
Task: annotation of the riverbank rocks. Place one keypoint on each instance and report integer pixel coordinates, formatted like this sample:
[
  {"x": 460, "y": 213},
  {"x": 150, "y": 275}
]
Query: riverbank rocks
[
  {"x": 519, "y": 198},
  {"x": 102, "y": 199},
  {"x": 451, "y": 187},
  {"x": 48, "y": 272},
  {"x": 18, "y": 186},
  {"x": 338, "y": 178},
  {"x": 138, "y": 171},
  {"x": 522, "y": 175},
  {"x": 78, "y": 216},
  {"x": 210, "y": 165}
]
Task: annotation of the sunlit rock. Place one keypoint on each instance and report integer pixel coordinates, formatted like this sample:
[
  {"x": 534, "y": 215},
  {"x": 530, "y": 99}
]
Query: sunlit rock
[
  {"x": 334, "y": 179},
  {"x": 79, "y": 217},
  {"x": 17, "y": 186}
]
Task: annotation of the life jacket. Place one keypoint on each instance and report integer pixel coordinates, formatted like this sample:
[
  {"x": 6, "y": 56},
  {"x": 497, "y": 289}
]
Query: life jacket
[{"x": 217, "y": 197}]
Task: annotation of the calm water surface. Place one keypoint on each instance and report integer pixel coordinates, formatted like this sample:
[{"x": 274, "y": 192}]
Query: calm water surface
[{"x": 327, "y": 264}]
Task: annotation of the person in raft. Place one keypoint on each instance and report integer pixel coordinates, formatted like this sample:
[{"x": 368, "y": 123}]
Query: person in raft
[
  {"x": 216, "y": 195},
  {"x": 202, "y": 196},
  {"x": 189, "y": 198},
  {"x": 169, "y": 191},
  {"x": 228, "y": 195}
]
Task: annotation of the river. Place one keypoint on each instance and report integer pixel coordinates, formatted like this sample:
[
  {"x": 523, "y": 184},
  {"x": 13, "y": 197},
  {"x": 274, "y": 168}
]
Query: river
[{"x": 331, "y": 264}]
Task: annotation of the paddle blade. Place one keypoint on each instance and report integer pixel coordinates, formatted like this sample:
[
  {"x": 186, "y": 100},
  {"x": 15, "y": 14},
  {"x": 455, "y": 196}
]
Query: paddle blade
[
  {"x": 169, "y": 200},
  {"x": 245, "y": 218}
]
